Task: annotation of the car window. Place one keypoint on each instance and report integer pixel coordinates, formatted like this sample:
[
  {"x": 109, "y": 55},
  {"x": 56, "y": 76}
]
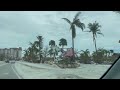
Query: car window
[{"x": 59, "y": 44}]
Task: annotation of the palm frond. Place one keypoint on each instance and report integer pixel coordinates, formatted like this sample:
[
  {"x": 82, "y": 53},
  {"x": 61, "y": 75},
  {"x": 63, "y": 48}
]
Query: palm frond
[
  {"x": 52, "y": 42},
  {"x": 67, "y": 20},
  {"x": 82, "y": 51},
  {"x": 60, "y": 44},
  {"x": 76, "y": 16},
  {"x": 100, "y": 33},
  {"x": 87, "y": 49},
  {"x": 86, "y": 31},
  {"x": 80, "y": 25},
  {"x": 90, "y": 25},
  {"x": 63, "y": 42},
  {"x": 39, "y": 38}
]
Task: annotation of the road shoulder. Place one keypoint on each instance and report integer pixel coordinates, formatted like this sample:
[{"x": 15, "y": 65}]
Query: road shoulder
[{"x": 16, "y": 72}]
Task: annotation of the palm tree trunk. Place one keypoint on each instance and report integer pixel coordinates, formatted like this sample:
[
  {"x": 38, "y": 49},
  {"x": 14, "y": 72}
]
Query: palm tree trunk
[
  {"x": 39, "y": 52},
  {"x": 95, "y": 46},
  {"x": 94, "y": 41},
  {"x": 54, "y": 57},
  {"x": 73, "y": 48},
  {"x": 31, "y": 58},
  {"x": 62, "y": 47}
]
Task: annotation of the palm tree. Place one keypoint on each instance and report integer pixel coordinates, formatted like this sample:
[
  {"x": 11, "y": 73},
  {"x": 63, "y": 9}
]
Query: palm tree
[
  {"x": 30, "y": 53},
  {"x": 86, "y": 52},
  {"x": 63, "y": 42},
  {"x": 26, "y": 54},
  {"x": 111, "y": 51},
  {"x": 40, "y": 44},
  {"x": 75, "y": 23},
  {"x": 52, "y": 51},
  {"x": 56, "y": 49},
  {"x": 35, "y": 47},
  {"x": 85, "y": 56},
  {"x": 94, "y": 29},
  {"x": 45, "y": 52},
  {"x": 52, "y": 43}
]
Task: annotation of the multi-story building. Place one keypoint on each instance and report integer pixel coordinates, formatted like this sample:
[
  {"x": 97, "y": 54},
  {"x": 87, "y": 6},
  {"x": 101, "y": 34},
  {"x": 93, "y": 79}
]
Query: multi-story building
[{"x": 12, "y": 53}]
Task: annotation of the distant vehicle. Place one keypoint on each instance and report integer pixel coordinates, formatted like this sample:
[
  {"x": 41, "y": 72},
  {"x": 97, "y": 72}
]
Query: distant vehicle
[
  {"x": 7, "y": 61},
  {"x": 12, "y": 61}
]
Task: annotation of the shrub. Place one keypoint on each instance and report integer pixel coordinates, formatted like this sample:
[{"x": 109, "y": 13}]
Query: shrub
[
  {"x": 67, "y": 63},
  {"x": 85, "y": 57}
]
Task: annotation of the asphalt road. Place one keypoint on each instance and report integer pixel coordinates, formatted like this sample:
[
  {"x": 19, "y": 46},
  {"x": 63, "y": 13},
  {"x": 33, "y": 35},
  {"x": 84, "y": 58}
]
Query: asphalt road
[{"x": 7, "y": 71}]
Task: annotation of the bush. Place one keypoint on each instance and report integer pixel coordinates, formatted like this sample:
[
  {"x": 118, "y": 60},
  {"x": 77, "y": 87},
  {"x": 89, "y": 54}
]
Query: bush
[
  {"x": 67, "y": 63},
  {"x": 48, "y": 60},
  {"x": 98, "y": 57},
  {"x": 85, "y": 57}
]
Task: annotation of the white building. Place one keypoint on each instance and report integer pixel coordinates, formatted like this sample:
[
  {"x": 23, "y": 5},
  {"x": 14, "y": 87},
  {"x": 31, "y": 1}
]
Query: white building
[{"x": 12, "y": 53}]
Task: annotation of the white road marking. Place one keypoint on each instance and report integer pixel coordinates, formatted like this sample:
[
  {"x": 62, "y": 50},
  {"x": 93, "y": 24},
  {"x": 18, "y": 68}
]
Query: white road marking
[{"x": 16, "y": 72}]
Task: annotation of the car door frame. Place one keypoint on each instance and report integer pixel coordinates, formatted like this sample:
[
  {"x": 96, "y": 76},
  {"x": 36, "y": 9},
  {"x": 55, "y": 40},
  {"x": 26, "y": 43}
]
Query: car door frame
[{"x": 102, "y": 77}]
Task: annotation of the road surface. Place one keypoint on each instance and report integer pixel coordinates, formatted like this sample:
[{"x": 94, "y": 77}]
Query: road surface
[{"x": 7, "y": 71}]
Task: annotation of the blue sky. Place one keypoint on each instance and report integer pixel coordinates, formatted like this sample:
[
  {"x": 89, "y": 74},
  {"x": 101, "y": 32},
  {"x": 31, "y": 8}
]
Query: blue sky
[{"x": 17, "y": 28}]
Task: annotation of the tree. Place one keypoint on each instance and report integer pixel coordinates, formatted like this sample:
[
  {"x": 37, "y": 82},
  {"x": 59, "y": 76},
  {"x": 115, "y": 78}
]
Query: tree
[
  {"x": 50, "y": 52},
  {"x": 52, "y": 43},
  {"x": 63, "y": 42},
  {"x": 101, "y": 56},
  {"x": 45, "y": 52},
  {"x": 35, "y": 47},
  {"x": 54, "y": 49},
  {"x": 94, "y": 29},
  {"x": 85, "y": 56},
  {"x": 30, "y": 53},
  {"x": 98, "y": 57},
  {"x": 111, "y": 52},
  {"x": 75, "y": 23},
  {"x": 34, "y": 50},
  {"x": 26, "y": 54},
  {"x": 40, "y": 44}
]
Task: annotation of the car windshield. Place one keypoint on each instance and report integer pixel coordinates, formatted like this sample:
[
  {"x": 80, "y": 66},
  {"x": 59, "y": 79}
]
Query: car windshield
[{"x": 58, "y": 44}]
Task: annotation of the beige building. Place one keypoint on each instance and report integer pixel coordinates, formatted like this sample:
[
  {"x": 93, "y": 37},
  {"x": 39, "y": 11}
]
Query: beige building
[{"x": 12, "y": 53}]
